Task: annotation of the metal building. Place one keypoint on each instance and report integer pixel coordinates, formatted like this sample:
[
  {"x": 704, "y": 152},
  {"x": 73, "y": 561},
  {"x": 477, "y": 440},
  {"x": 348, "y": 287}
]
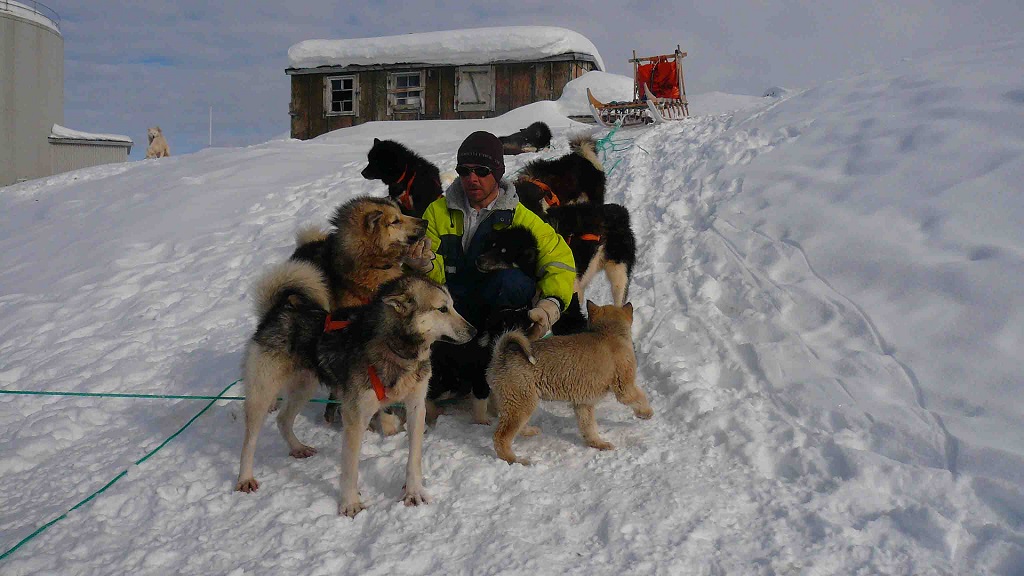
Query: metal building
[
  {"x": 31, "y": 88},
  {"x": 71, "y": 149}
]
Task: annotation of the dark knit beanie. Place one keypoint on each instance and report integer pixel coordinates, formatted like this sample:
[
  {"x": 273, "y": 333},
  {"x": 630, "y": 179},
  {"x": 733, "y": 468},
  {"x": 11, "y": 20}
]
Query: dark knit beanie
[{"x": 483, "y": 149}]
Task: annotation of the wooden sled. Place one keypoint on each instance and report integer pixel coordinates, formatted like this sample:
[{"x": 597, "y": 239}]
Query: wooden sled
[{"x": 659, "y": 94}]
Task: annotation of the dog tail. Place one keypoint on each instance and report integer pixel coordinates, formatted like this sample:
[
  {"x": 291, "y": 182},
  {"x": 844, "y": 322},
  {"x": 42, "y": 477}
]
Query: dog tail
[
  {"x": 291, "y": 275},
  {"x": 309, "y": 234},
  {"x": 586, "y": 146},
  {"x": 511, "y": 340}
]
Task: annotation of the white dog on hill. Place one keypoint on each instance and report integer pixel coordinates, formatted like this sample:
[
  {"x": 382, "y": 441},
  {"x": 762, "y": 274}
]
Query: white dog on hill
[{"x": 157, "y": 143}]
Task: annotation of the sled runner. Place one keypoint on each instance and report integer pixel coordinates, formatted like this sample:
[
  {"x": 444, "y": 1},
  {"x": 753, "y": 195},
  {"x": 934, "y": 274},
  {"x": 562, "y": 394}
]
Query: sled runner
[{"x": 659, "y": 93}]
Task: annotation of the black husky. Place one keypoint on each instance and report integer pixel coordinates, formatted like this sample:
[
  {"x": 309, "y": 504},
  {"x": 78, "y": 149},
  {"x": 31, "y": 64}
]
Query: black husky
[
  {"x": 529, "y": 139},
  {"x": 576, "y": 178},
  {"x": 601, "y": 238},
  {"x": 412, "y": 180}
]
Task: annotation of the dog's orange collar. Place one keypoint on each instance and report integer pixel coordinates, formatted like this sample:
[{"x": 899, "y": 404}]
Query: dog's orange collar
[
  {"x": 549, "y": 196},
  {"x": 378, "y": 386},
  {"x": 585, "y": 237}
]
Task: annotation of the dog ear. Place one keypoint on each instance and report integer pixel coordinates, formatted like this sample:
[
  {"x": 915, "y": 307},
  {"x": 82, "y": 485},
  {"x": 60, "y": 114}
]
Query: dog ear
[
  {"x": 400, "y": 302},
  {"x": 591, "y": 307},
  {"x": 376, "y": 141},
  {"x": 373, "y": 218},
  {"x": 628, "y": 307}
]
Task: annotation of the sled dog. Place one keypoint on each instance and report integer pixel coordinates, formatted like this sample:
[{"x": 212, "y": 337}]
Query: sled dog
[
  {"x": 601, "y": 239},
  {"x": 529, "y": 139},
  {"x": 577, "y": 177},
  {"x": 370, "y": 239},
  {"x": 157, "y": 143},
  {"x": 580, "y": 369},
  {"x": 380, "y": 358},
  {"x": 412, "y": 180}
]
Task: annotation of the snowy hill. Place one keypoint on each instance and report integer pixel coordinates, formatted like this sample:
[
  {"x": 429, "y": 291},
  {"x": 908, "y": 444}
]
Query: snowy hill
[{"x": 828, "y": 325}]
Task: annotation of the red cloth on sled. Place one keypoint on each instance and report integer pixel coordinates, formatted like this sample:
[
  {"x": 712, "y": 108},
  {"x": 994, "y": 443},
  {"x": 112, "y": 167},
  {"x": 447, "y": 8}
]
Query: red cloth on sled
[{"x": 661, "y": 76}]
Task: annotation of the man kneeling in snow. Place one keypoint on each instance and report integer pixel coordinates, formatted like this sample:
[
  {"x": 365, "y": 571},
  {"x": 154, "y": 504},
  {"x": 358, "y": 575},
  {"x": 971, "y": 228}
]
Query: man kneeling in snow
[{"x": 476, "y": 204}]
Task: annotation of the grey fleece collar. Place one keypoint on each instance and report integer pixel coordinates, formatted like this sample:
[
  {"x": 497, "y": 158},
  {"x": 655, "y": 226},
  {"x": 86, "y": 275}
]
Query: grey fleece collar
[{"x": 455, "y": 197}]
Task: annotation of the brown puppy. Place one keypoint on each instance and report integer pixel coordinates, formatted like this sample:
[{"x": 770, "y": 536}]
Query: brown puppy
[{"x": 579, "y": 368}]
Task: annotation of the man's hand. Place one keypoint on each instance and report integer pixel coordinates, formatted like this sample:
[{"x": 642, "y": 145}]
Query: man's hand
[
  {"x": 419, "y": 256},
  {"x": 544, "y": 315}
]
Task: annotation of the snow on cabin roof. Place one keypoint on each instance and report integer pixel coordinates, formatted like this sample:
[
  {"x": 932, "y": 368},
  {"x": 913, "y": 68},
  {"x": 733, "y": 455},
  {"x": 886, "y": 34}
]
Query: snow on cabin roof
[
  {"x": 59, "y": 132},
  {"x": 453, "y": 47}
]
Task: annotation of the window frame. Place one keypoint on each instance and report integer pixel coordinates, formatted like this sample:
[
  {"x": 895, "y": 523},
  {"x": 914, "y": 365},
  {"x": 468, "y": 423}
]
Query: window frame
[
  {"x": 329, "y": 95},
  {"x": 408, "y": 91}
]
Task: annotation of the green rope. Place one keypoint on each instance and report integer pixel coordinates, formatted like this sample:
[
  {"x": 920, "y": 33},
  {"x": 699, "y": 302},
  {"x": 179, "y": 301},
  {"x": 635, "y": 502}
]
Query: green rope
[
  {"x": 119, "y": 476},
  {"x": 150, "y": 396}
]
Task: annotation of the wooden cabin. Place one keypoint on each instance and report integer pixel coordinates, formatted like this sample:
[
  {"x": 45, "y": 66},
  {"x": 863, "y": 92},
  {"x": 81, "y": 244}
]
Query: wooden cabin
[{"x": 457, "y": 74}]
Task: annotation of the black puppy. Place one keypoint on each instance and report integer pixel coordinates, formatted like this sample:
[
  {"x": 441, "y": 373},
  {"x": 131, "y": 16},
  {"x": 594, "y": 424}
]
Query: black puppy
[
  {"x": 412, "y": 180},
  {"x": 529, "y": 139},
  {"x": 512, "y": 247}
]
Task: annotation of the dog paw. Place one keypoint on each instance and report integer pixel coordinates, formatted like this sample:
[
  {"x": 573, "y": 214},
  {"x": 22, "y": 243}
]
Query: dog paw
[
  {"x": 601, "y": 445},
  {"x": 247, "y": 486},
  {"x": 332, "y": 414},
  {"x": 528, "y": 431},
  {"x": 416, "y": 497},
  {"x": 303, "y": 452},
  {"x": 644, "y": 413},
  {"x": 350, "y": 509},
  {"x": 512, "y": 459},
  {"x": 483, "y": 421}
]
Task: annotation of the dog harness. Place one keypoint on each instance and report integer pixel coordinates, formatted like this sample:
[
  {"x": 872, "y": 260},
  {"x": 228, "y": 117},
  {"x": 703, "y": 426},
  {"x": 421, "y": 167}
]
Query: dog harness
[
  {"x": 549, "y": 196},
  {"x": 405, "y": 198},
  {"x": 378, "y": 386},
  {"x": 331, "y": 325}
]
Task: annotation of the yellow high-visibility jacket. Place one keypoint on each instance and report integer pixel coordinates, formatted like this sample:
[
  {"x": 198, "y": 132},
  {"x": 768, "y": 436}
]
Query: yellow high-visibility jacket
[{"x": 455, "y": 263}]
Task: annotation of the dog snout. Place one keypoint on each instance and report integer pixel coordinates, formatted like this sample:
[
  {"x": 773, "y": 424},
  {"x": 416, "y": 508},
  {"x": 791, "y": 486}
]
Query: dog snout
[
  {"x": 420, "y": 229},
  {"x": 369, "y": 174}
]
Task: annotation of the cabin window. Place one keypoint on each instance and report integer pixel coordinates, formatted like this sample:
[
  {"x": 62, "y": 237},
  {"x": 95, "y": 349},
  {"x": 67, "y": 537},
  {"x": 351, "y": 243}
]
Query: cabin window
[
  {"x": 341, "y": 96},
  {"x": 474, "y": 91},
  {"x": 405, "y": 92}
]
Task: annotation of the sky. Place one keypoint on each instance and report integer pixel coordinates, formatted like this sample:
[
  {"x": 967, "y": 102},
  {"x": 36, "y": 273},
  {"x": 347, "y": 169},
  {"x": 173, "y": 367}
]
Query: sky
[{"x": 130, "y": 65}]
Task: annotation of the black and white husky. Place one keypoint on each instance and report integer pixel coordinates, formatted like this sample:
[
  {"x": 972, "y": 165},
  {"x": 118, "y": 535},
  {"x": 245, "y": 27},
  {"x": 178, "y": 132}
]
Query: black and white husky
[{"x": 381, "y": 357}]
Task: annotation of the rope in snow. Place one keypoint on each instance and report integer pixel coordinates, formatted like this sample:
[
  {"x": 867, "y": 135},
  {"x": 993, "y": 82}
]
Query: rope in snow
[
  {"x": 123, "y": 473},
  {"x": 150, "y": 396},
  {"x": 607, "y": 145}
]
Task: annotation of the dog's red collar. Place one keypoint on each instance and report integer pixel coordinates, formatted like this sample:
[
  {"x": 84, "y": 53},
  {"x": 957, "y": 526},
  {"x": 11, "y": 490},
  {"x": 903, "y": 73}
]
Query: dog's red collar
[
  {"x": 331, "y": 325},
  {"x": 549, "y": 196},
  {"x": 378, "y": 386}
]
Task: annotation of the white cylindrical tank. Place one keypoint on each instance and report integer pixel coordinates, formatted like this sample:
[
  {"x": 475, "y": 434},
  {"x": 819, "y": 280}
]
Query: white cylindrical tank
[{"x": 31, "y": 88}]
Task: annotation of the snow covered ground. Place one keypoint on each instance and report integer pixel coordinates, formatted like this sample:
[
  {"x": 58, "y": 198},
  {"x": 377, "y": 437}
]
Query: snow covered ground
[{"x": 829, "y": 326}]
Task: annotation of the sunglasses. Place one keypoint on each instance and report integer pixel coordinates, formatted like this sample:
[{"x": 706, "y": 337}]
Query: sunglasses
[{"x": 480, "y": 171}]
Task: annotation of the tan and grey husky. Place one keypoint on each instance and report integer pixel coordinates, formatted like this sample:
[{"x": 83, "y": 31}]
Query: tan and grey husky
[
  {"x": 367, "y": 247},
  {"x": 579, "y": 368},
  {"x": 380, "y": 358}
]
